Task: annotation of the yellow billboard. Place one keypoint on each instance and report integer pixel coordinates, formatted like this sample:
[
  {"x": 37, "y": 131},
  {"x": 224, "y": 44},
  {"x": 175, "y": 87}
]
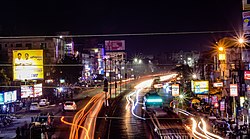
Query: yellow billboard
[
  {"x": 27, "y": 64},
  {"x": 200, "y": 87}
]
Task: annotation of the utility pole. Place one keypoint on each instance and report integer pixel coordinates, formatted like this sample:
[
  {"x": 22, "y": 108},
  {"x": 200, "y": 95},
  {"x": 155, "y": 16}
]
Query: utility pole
[
  {"x": 115, "y": 78},
  {"x": 105, "y": 82},
  {"x": 120, "y": 66},
  {"x": 126, "y": 74},
  {"x": 110, "y": 78}
]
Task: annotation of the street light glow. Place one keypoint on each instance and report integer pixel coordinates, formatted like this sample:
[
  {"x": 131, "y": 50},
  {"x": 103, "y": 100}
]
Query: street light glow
[
  {"x": 221, "y": 48},
  {"x": 135, "y": 59},
  {"x": 194, "y": 76},
  {"x": 181, "y": 96},
  {"x": 140, "y": 61},
  {"x": 241, "y": 40}
]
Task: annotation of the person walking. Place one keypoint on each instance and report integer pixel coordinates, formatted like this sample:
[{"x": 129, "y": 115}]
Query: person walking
[{"x": 18, "y": 136}]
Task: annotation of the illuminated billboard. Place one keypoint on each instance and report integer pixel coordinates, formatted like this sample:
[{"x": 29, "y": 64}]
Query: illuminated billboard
[
  {"x": 175, "y": 90},
  {"x": 200, "y": 87},
  {"x": 10, "y": 96},
  {"x": 38, "y": 90},
  {"x": 233, "y": 90},
  {"x": 31, "y": 90},
  {"x": 27, "y": 64},
  {"x": 115, "y": 45},
  {"x": 246, "y": 4},
  {"x": 247, "y": 75},
  {"x": 26, "y": 91},
  {"x": 1, "y": 98},
  {"x": 218, "y": 84}
]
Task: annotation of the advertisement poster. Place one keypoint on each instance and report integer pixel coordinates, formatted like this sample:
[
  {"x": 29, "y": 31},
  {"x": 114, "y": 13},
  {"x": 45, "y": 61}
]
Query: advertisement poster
[
  {"x": 200, "y": 87},
  {"x": 214, "y": 99},
  {"x": 219, "y": 84},
  {"x": 27, "y": 64},
  {"x": 248, "y": 92},
  {"x": 38, "y": 91},
  {"x": 246, "y": 4},
  {"x": 1, "y": 98},
  {"x": 247, "y": 75},
  {"x": 115, "y": 45},
  {"x": 26, "y": 91},
  {"x": 222, "y": 105},
  {"x": 10, "y": 96},
  {"x": 175, "y": 90},
  {"x": 233, "y": 90},
  {"x": 246, "y": 22}
]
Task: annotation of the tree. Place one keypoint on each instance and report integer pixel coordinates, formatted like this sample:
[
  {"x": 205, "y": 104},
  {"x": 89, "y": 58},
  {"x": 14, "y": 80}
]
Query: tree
[
  {"x": 4, "y": 80},
  {"x": 184, "y": 70},
  {"x": 71, "y": 69}
]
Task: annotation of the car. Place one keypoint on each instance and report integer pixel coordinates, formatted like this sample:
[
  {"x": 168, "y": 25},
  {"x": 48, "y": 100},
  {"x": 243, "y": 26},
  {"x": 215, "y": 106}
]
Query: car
[
  {"x": 69, "y": 106},
  {"x": 43, "y": 102},
  {"x": 34, "y": 106}
]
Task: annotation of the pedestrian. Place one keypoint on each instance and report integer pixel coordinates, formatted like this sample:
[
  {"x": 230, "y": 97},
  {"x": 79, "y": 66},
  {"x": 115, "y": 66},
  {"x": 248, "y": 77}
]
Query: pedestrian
[{"x": 18, "y": 136}]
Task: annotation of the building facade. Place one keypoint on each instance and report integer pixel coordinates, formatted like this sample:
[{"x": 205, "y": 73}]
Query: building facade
[{"x": 186, "y": 58}]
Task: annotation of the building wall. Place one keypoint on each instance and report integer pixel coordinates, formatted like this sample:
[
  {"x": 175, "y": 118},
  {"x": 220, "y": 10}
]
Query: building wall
[
  {"x": 186, "y": 58},
  {"x": 48, "y": 45}
]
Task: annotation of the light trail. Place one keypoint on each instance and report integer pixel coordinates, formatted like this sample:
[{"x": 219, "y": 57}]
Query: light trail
[
  {"x": 68, "y": 123},
  {"x": 74, "y": 129},
  {"x": 144, "y": 84},
  {"x": 83, "y": 119},
  {"x": 167, "y": 77},
  {"x": 206, "y": 132},
  {"x": 194, "y": 131},
  {"x": 80, "y": 117},
  {"x": 131, "y": 101},
  {"x": 199, "y": 125},
  {"x": 186, "y": 112}
]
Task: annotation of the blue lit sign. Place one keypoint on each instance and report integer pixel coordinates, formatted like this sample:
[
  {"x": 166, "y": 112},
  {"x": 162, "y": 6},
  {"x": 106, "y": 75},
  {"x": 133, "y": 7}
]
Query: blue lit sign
[{"x": 1, "y": 98}]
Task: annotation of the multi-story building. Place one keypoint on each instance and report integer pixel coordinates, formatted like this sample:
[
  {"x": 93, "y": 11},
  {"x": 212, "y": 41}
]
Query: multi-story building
[
  {"x": 186, "y": 58},
  {"x": 92, "y": 60},
  {"x": 54, "y": 48}
]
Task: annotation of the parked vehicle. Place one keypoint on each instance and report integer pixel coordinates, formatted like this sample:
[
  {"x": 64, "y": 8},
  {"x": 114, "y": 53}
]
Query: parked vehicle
[
  {"x": 69, "y": 105},
  {"x": 43, "y": 102},
  {"x": 5, "y": 120},
  {"x": 34, "y": 106}
]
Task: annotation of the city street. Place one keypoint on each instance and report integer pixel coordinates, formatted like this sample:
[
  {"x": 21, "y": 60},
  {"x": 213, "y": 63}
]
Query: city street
[
  {"x": 61, "y": 129},
  {"x": 125, "y": 70}
]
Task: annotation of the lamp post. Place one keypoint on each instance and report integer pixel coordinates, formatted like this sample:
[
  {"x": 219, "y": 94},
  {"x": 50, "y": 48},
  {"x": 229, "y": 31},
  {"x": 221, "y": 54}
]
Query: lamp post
[
  {"x": 241, "y": 43},
  {"x": 120, "y": 66},
  {"x": 110, "y": 67},
  {"x": 115, "y": 77},
  {"x": 125, "y": 74},
  {"x": 222, "y": 65},
  {"x": 105, "y": 81}
]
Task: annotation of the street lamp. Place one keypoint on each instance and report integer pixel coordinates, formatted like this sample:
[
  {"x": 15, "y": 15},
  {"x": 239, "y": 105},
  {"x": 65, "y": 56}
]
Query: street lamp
[
  {"x": 194, "y": 76},
  {"x": 181, "y": 96},
  {"x": 135, "y": 59},
  {"x": 140, "y": 61},
  {"x": 221, "y": 48},
  {"x": 241, "y": 41}
]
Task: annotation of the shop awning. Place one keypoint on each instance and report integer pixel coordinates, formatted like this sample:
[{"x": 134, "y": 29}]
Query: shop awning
[{"x": 195, "y": 101}]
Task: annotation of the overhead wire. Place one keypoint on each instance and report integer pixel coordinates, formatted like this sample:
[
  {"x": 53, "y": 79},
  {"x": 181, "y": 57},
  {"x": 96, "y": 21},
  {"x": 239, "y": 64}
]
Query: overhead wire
[{"x": 119, "y": 34}]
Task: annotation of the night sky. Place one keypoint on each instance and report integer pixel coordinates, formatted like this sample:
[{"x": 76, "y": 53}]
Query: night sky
[{"x": 45, "y": 17}]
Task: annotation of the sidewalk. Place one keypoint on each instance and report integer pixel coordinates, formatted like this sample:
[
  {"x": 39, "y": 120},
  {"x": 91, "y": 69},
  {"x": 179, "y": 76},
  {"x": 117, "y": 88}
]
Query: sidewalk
[{"x": 9, "y": 132}]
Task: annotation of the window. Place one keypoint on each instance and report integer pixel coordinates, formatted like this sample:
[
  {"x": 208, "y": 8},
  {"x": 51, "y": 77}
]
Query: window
[
  {"x": 43, "y": 45},
  {"x": 6, "y": 45},
  {"x": 18, "y": 45},
  {"x": 0, "y": 46},
  {"x": 29, "y": 45}
]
